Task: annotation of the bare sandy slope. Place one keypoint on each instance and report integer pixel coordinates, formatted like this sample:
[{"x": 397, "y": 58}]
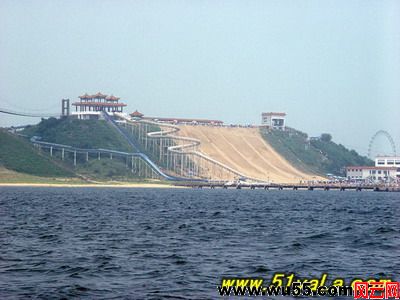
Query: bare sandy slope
[{"x": 246, "y": 151}]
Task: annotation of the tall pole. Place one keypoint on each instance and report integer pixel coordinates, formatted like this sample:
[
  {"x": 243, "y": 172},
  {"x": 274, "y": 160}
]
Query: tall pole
[
  {"x": 181, "y": 164},
  {"x": 168, "y": 140},
  {"x": 161, "y": 149},
  {"x": 140, "y": 142},
  {"x": 145, "y": 139}
]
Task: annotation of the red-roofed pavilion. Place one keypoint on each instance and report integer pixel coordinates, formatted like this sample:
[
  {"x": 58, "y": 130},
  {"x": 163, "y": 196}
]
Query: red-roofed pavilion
[
  {"x": 90, "y": 106},
  {"x": 136, "y": 114}
]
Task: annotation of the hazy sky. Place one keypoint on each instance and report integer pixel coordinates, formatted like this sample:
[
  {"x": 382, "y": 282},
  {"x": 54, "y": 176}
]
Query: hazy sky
[{"x": 332, "y": 66}]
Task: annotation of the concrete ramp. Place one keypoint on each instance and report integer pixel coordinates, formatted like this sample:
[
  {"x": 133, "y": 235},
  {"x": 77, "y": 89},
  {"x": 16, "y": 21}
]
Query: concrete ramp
[{"x": 244, "y": 150}]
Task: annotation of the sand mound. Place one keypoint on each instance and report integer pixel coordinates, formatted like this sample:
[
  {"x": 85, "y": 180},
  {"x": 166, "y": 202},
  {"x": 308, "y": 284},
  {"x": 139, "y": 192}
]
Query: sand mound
[{"x": 246, "y": 151}]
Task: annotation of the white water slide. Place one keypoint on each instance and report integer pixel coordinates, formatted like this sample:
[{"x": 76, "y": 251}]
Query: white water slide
[{"x": 185, "y": 148}]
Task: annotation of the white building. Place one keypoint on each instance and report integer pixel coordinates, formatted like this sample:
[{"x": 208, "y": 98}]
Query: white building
[
  {"x": 275, "y": 120},
  {"x": 371, "y": 174},
  {"x": 92, "y": 106},
  {"x": 388, "y": 161}
]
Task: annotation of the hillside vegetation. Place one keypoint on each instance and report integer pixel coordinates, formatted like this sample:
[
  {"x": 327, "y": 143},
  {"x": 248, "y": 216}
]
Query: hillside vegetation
[
  {"x": 88, "y": 134},
  {"x": 320, "y": 155},
  {"x": 19, "y": 155}
]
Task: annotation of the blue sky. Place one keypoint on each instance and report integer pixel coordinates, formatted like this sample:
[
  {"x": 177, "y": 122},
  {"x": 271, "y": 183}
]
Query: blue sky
[{"x": 332, "y": 66}]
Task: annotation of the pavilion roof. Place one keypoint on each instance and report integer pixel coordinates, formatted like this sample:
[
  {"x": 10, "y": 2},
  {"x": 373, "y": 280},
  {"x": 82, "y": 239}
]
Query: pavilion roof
[
  {"x": 98, "y": 104},
  {"x": 136, "y": 114},
  {"x": 99, "y": 96},
  {"x": 112, "y": 98},
  {"x": 86, "y": 96}
]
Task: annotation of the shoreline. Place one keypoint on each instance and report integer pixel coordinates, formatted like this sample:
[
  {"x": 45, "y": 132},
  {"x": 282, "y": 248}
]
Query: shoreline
[{"x": 99, "y": 185}]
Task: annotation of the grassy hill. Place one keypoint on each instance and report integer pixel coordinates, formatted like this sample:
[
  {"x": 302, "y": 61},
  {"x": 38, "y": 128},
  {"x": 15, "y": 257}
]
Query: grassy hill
[
  {"x": 19, "y": 155},
  {"x": 88, "y": 134},
  {"x": 108, "y": 169},
  {"x": 316, "y": 155}
]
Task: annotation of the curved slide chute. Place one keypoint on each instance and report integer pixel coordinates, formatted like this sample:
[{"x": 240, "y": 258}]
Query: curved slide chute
[
  {"x": 187, "y": 146},
  {"x": 135, "y": 146}
]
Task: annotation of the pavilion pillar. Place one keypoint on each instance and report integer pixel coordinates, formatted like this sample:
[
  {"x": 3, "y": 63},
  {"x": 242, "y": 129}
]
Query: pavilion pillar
[
  {"x": 74, "y": 158},
  {"x": 62, "y": 154},
  {"x": 51, "y": 150}
]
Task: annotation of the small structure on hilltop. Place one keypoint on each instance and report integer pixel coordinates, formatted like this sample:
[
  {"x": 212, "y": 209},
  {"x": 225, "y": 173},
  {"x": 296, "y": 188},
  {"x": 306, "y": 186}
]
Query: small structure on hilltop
[
  {"x": 65, "y": 108},
  {"x": 136, "y": 115},
  {"x": 273, "y": 120},
  {"x": 91, "y": 106}
]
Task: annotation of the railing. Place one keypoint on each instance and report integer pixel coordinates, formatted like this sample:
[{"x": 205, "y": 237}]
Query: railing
[
  {"x": 75, "y": 150},
  {"x": 184, "y": 147},
  {"x": 25, "y": 114},
  {"x": 122, "y": 132}
]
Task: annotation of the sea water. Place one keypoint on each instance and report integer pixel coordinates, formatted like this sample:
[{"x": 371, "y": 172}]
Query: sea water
[{"x": 102, "y": 243}]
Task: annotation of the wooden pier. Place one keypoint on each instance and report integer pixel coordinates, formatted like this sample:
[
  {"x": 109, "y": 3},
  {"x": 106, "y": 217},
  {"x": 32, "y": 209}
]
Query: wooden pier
[{"x": 295, "y": 187}]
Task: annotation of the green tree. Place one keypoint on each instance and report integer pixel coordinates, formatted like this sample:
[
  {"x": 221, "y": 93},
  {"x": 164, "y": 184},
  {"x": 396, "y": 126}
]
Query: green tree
[{"x": 326, "y": 137}]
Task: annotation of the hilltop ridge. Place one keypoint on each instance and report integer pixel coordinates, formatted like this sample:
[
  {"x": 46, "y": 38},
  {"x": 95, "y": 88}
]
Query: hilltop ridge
[{"x": 319, "y": 155}]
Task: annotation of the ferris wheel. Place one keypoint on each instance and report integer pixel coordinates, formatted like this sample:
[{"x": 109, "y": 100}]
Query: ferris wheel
[{"x": 388, "y": 137}]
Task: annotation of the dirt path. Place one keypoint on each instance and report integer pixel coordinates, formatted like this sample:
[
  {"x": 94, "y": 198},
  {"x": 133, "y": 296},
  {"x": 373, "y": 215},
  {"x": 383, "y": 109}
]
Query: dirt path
[{"x": 246, "y": 151}]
